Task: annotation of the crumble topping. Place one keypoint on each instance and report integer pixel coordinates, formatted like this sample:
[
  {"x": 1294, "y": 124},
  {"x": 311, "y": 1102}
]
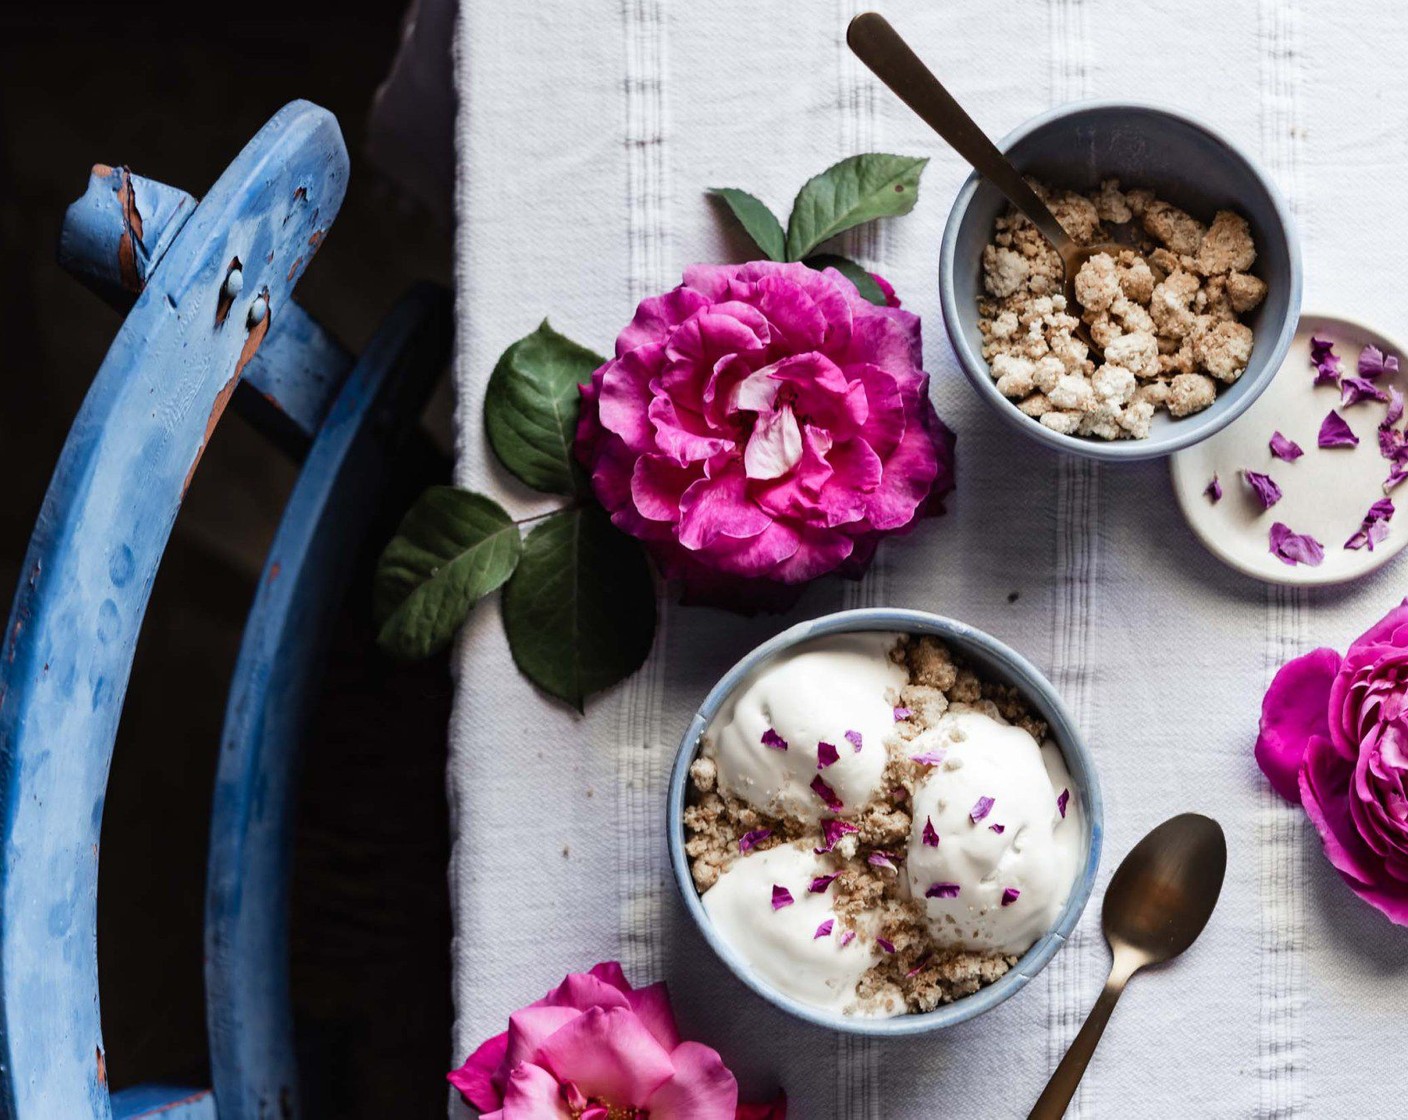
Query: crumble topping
[{"x": 1164, "y": 312}]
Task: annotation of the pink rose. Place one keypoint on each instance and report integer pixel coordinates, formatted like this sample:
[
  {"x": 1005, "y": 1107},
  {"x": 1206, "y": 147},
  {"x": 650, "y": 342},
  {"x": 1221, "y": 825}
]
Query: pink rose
[
  {"x": 1334, "y": 738},
  {"x": 762, "y": 425},
  {"x": 593, "y": 1049}
]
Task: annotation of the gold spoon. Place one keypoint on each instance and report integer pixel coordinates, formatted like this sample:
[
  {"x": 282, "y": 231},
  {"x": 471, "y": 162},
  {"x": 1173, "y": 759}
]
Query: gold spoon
[
  {"x": 879, "y": 46},
  {"x": 1157, "y": 903}
]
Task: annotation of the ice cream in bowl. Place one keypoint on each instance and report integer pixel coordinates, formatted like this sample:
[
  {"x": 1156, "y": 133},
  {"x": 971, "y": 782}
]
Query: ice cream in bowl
[{"x": 884, "y": 821}]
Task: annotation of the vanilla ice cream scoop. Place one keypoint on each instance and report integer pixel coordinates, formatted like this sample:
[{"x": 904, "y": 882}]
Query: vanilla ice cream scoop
[
  {"x": 997, "y": 834},
  {"x": 804, "y": 735},
  {"x": 788, "y": 934}
]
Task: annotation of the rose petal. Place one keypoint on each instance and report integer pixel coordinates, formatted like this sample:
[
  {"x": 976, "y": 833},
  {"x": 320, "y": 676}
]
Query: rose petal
[
  {"x": 781, "y": 897},
  {"x": 929, "y": 758},
  {"x": 942, "y": 890},
  {"x": 1335, "y": 432},
  {"x": 1295, "y": 548},
  {"x": 1010, "y": 895},
  {"x": 886, "y": 944},
  {"x": 827, "y": 794},
  {"x": 752, "y": 839},
  {"x": 981, "y": 808},
  {"x": 1062, "y": 801},
  {"x": 853, "y": 737},
  {"x": 1213, "y": 490},
  {"x": 821, "y": 882},
  {"x": 1325, "y": 361},
  {"x": 824, "y": 930},
  {"x": 772, "y": 739},
  {"x": 930, "y": 835},
  {"x": 902, "y": 714},
  {"x": 475, "y": 1079},
  {"x": 826, "y": 755},
  {"x": 1284, "y": 448},
  {"x": 919, "y": 965},
  {"x": 1374, "y": 528},
  {"x": 847, "y": 937},
  {"x": 1374, "y": 363},
  {"x": 880, "y": 859},
  {"x": 1355, "y": 389},
  {"x": 832, "y": 830},
  {"x": 609, "y": 1054},
  {"x": 701, "y": 1087},
  {"x": 998, "y": 828},
  {"x": 1265, "y": 488}
]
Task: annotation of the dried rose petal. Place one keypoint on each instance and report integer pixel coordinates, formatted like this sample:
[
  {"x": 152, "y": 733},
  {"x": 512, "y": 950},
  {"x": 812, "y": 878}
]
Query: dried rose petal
[
  {"x": 1374, "y": 528},
  {"x": 931, "y": 837},
  {"x": 1356, "y": 389},
  {"x": 853, "y": 737},
  {"x": 919, "y": 966},
  {"x": 1214, "y": 490},
  {"x": 821, "y": 882},
  {"x": 1010, "y": 895},
  {"x": 1283, "y": 448},
  {"x": 824, "y": 930},
  {"x": 772, "y": 739},
  {"x": 1063, "y": 800},
  {"x": 1395, "y": 408},
  {"x": 1373, "y": 363},
  {"x": 929, "y": 758},
  {"x": 998, "y": 828},
  {"x": 827, "y": 794},
  {"x": 753, "y": 839},
  {"x": 1396, "y": 474},
  {"x": 1325, "y": 361},
  {"x": 1264, "y": 487},
  {"x": 1295, "y": 548},
  {"x": 847, "y": 937},
  {"x": 832, "y": 830},
  {"x": 881, "y": 859},
  {"x": 981, "y": 808},
  {"x": 942, "y": 890},
  {"x": 826, "y": 754},
  {"x": 902, "y": 714},
  {"x": 781, "y": 897},
  {"x": 886, "y": 944},
  {"x": 1392, "y": 443},
  {"x": 1335, "y": 432}
]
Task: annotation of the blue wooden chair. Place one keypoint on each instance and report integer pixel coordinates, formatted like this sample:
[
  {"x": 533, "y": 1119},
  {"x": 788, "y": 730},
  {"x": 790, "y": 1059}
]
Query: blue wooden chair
[{"x": 209, "y": 286}]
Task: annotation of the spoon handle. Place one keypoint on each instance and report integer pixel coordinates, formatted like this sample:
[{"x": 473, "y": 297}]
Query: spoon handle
[
  {"x": 1051, "y": 1105},
  {"x": 879, "y": 46}
]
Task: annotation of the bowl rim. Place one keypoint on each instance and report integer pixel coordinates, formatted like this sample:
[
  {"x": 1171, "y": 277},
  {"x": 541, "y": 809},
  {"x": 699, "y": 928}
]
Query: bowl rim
[
  {"x": 975, "y": 368},
  {"x": 1017, "y": 669}
]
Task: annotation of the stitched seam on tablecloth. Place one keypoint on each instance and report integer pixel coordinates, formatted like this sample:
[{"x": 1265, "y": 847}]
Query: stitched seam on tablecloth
[
  {"x": 1077, "y": 576},
  {"x": 640, "y": 752},
  {"x": 858, "y": 1064},
  {"x": 1282, "y": 834}
]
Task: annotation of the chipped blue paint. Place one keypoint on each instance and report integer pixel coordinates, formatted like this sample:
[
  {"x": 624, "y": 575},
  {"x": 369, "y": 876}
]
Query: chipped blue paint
[
  {"x": 163, "y": 1102},
  {"x": 114, "y": 236},
  {"x": 66, "y": 653},
  {"x": 275, "y": 684}
]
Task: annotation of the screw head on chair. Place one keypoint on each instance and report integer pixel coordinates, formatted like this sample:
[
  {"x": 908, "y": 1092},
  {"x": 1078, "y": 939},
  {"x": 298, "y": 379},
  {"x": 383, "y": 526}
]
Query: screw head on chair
[
  {"x": 257, "y": 310},
  {"x": 234, "y": 283}
]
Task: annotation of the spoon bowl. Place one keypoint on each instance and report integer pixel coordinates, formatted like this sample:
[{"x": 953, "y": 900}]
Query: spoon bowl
[{"x": 1163, "y": 894}]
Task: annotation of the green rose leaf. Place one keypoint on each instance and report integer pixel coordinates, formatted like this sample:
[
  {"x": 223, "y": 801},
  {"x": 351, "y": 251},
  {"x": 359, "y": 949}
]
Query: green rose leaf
[
  {"x": 760, "y": 222},
  {"x": 864, "y": 282},
  {"x": 531, "y": 405},
  {"x": 580, "y": 609},
  {"x": 451, "y": 549},
  {"x": 849, "y": 193}
]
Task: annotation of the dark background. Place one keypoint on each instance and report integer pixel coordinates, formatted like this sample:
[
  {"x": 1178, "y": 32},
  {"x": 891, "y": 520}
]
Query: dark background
[{"x": 174, "y": 91}]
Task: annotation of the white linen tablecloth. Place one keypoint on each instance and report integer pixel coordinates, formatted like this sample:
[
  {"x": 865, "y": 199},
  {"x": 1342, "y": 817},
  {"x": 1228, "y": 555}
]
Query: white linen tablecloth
[{"x": 587, "y": 133}]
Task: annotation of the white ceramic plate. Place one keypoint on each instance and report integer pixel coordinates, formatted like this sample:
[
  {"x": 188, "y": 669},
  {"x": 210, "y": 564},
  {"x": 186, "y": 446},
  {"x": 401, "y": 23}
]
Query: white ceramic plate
[{"x": 1325, "y": 492}]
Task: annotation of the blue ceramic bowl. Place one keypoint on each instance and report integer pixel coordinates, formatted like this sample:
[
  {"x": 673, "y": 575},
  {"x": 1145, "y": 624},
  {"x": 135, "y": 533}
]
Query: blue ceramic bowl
[
  {"x": 992, "y": 659},
  {"x": 1185, "y": 163}
]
